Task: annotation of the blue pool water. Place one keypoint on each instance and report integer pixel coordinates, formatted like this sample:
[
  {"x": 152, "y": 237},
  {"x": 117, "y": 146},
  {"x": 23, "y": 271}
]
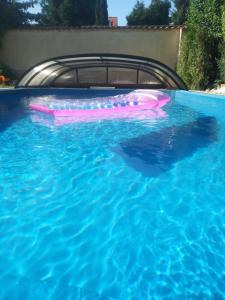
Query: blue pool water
[{"x": 119, "y": 209}]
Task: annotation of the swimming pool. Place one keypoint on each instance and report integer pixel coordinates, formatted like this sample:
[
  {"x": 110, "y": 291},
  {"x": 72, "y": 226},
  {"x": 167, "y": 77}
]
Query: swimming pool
[{"x": 119, "y": 209}]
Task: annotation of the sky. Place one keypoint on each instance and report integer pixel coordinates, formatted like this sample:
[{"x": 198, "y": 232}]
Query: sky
[{"x": 119, "y": 8}]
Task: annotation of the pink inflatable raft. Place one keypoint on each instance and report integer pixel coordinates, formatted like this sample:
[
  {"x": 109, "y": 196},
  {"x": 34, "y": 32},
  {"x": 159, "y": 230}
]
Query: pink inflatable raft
[
  {"x": 102, "y": 108},
  {"x": 141, "y": 115}
]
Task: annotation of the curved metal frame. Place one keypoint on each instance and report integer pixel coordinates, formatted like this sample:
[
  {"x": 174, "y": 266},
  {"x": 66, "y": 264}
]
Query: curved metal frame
[{"x": 165, "y": 75}]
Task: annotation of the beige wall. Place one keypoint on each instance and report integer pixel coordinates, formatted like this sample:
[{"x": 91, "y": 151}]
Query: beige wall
[{"x": 21, "y": 49}]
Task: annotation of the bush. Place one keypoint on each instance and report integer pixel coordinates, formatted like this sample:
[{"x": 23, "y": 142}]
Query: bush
[
  {"x": 7, "y": 72},
  {"x": 200, "y": 51},
  {"x": 222, "y": 49},
  {"x": 222, "y": 63},
  {"x": 193, "y": 63}
]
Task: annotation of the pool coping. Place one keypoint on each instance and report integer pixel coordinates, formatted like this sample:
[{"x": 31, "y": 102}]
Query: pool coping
[{"x": 202, "y": 94}]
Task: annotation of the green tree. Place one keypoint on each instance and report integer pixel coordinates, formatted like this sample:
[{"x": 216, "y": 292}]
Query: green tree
[
  {"x": 179, "y": 17},
  {"x": 69, "y": 13},
  {"x": 50, "y": 14},
  {"x": 87, "y": 12},
  {"x": 77, "y": 12},
  {"x": 156, "y": 14},
  {"x": 14, "y": 14},
  {"x": 198, "y": 63},
  {"x": 138, "y": 16},
  {"x": 101, "y": 13},
  {"x": 73, "y": 12}
]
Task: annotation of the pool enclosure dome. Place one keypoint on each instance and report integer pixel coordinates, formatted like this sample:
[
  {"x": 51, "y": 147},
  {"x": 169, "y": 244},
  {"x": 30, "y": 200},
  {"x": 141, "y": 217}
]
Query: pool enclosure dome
[{"x": 101, "y": 70}]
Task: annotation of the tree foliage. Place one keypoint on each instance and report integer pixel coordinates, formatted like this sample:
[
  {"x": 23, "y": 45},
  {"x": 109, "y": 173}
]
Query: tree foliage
[
  {"x": 73, "y": 12},
  {"x": 50, "y": 14},
  {"x": 198, "y": 62},
  {"x": 179, "y": 16},
  {"x": 138, "y": 16},
  {"x": 222, "y": 48},
  {"x": 14, "y": 14},
  {"x": 101, "y": 13},
  {"x": 157, "y": 13}
]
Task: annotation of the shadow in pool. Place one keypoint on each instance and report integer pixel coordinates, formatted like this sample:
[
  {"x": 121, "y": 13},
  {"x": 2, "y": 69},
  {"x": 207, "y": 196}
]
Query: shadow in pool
[{"x": 156, "y": 152}]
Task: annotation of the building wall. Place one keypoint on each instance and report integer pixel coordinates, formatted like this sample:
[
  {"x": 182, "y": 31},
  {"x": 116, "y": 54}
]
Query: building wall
[
  {"x": 21, "y": 49},
  {"x": 113, "y": 21}
]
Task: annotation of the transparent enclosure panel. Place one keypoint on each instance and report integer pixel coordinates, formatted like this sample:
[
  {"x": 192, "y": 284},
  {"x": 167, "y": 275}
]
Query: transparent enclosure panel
[
  {"x": 122, "y": 76},
  {"x": 146, "y": 78},
  {"x": 92, "y": 75},
  {"x": 68, "y": 79}
]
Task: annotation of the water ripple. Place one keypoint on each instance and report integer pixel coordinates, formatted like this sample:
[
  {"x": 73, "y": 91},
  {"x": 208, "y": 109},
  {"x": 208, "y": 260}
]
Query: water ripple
[{"x": 78, "y": 222}]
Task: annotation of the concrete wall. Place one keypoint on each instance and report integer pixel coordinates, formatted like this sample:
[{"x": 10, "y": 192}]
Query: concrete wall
[{"x": 23, "y": 48}]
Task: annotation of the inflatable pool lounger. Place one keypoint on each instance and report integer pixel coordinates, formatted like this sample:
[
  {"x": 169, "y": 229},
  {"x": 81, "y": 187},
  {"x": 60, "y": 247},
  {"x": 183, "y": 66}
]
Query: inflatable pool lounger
[{"x": 102, "y": 107}]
